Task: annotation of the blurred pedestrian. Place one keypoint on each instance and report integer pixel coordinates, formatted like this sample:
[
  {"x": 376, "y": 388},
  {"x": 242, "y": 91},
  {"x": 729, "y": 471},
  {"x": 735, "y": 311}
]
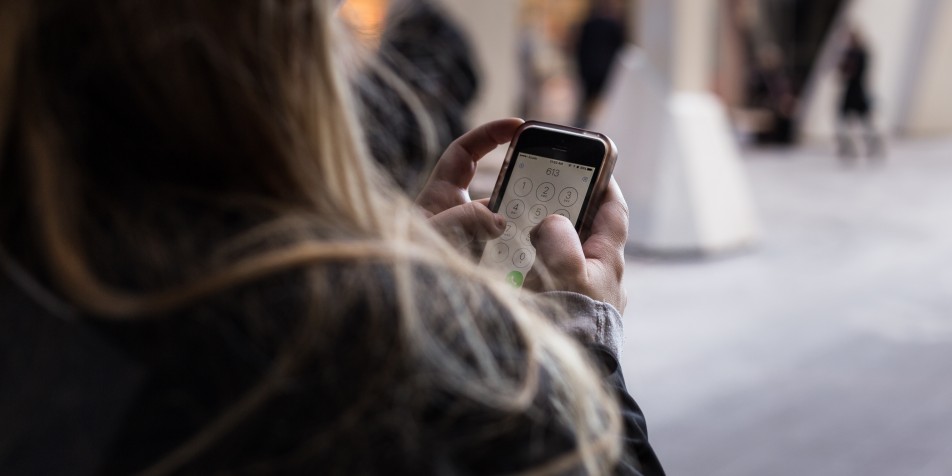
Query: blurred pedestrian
[
  {"x": 855, "y": 101},
  {"x": 599, "y": 39},
  {"x": 772, "y": 90},
  {"x": 530, "y": 76}
]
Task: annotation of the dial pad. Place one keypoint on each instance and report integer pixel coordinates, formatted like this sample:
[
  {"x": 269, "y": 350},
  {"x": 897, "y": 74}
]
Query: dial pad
[{"x": 538, "y": 187}]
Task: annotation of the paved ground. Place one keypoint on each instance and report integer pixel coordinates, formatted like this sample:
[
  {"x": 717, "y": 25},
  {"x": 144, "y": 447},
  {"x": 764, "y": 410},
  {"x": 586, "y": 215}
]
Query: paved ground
[{"x": 826, "y": 350}]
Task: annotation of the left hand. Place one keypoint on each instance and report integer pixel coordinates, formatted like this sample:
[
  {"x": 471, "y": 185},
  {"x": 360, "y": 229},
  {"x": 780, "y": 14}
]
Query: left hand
[{"x": 445, "y": 196}]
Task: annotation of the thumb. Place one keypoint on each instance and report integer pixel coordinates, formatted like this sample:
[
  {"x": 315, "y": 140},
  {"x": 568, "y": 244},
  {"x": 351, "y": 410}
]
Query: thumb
[
  {"x": 464, "y": 224},
  {"x": 559, "y": 251}
]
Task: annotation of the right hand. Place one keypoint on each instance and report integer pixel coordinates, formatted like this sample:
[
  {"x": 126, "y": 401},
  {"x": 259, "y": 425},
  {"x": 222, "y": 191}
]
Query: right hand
[{"x": 594, "y": 268}]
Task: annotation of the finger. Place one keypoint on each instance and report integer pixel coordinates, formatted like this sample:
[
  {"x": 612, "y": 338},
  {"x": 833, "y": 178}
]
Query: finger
[
  {"x": 466, "y": 223},
  {"x": 458, "y": 164},
  {"x": 447, "y": 185},
  {"x": 558, "y": 249},
  {"x": 609, "y": 231}
]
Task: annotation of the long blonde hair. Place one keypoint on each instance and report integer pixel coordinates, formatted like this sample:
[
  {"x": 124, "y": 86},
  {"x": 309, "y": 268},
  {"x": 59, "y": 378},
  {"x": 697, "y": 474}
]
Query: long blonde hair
[{"x": 118, "y": 117}]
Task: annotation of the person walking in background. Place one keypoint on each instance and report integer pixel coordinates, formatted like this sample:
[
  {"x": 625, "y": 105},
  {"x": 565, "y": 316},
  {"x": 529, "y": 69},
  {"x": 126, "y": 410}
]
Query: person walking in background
[
  {"x": 855, "y": 101},
  {"x": 600, "y": 38},
  {"x": 771, "y": 90}
]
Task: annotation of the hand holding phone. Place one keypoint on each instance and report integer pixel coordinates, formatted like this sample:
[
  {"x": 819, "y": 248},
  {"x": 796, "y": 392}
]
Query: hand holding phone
[
  {"x": 549, "y": 170},
  {"x": 444, "y": 199},
  {"x": 596, "y": 266}
]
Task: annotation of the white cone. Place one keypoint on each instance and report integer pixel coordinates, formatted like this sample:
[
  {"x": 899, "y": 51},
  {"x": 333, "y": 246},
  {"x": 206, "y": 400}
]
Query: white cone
[{"x": 678, "y": 165}]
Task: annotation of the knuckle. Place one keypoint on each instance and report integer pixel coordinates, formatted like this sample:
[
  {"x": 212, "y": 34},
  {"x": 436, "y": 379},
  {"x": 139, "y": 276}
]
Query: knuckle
[
  {"x": 620, "y": 210},
  {"x": 612, "y": 262},
  {"x": 469, "y": 211},
  {"x": 618, "y": 266}
]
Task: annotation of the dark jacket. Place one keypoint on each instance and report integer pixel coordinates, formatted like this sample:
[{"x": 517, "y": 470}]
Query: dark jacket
[
  {"x": 600, "y": 39},
  {"x": 81, "y": 396},
  {"x": 853, "y": 68}
]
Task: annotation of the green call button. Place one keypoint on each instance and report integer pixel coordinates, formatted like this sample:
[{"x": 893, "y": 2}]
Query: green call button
[{"x": 515, "y": 278}]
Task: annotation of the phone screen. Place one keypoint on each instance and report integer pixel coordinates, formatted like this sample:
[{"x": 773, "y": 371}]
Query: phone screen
[{"x": 536, "y": 187}]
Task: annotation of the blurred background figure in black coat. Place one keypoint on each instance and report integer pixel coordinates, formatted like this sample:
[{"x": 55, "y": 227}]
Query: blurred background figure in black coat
[
  {"x": 771, "y": 90},
  {"x": 600, "y": 38},
  {"x": 856, "y": 103}
]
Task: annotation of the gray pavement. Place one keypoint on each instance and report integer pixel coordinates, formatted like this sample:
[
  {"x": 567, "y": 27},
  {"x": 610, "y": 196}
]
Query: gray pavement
[{"x": 825, "y": 350}]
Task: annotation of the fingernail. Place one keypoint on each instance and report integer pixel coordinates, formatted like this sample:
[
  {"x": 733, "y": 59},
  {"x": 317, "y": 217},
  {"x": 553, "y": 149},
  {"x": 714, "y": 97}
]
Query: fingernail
[{"x": 500, "y": 222}]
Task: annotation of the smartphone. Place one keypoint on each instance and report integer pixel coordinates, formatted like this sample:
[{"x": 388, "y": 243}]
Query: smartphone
[{"x": 549, "y": 169}]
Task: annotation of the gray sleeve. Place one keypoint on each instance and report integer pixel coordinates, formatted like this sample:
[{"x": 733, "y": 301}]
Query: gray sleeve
[{"x": 589, "y": 321}]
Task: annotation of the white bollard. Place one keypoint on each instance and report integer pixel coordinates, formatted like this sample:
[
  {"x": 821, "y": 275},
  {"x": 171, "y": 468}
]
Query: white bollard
[{"x": 679, "y": 165}]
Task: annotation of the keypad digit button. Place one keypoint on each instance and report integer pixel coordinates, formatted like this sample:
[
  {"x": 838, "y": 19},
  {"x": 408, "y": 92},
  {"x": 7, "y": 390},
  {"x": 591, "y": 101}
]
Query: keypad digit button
[
  {"x": 515, "y": 209},
  {"x": 500, "y": 252},
  {"x": 564, "y": 213},
  {"x": 522, "y": 258},
  {"x": 568, "y": 196},
  {"x": 537, "y": 213},
  {"x": 522, "y": 187},
  {"x": 545, "y": 192},
  {"x": 525, "y": 235},
  {"x": 510, "y": 231}
]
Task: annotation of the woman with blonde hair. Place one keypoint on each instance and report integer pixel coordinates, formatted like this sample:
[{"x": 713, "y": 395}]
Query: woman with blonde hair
[{"x": 203, "y": 272}]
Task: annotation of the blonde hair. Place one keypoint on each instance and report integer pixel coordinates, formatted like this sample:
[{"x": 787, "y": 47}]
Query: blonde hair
[{"x": 263, "y": 124}]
